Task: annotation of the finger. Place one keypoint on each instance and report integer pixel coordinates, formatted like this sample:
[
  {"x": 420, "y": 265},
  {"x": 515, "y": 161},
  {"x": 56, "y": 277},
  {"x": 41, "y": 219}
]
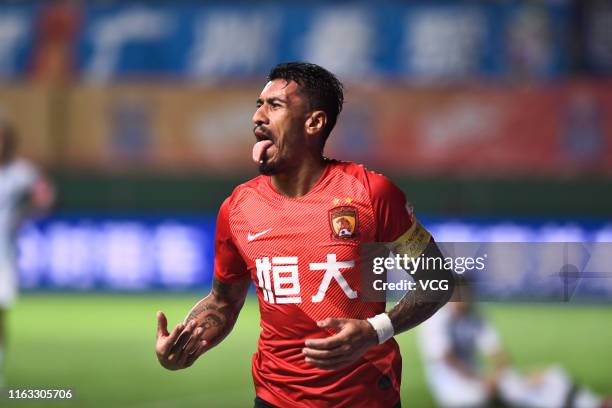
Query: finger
[
  {"x": 203, "y": 346},
  {"x": 332, "y": 323},
  {"x": 177, "y": 352},
  {"x": 342, "y": 350},
  {"x": 178, "y": 329},
  {"x": 327, "y": 343},
  {"x": 162, "y": 324},
  {"x": 181, "y": 358},
  {"x": 186, "y": 354},
  {"x": 166, "y": 344},
  {"x": 183, "y": 337},
  {"x": 331, "y": 364},
  {"x": 194, "y": 341}
]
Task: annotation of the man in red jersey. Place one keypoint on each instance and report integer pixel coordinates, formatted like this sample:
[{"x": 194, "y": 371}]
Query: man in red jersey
[{"x": 296, "y": 232}]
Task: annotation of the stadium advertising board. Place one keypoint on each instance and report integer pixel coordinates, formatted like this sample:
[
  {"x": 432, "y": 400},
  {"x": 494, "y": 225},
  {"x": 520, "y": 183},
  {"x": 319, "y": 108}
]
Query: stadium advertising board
[
  {"x": 512, "y": 259},
  {"x": 552, "y": 130}
]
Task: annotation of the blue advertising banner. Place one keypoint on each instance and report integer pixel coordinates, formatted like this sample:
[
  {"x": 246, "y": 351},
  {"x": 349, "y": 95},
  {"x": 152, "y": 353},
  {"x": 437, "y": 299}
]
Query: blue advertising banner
[
  {"x": 120, "y": 253},
  {"x": 75, "y": 252},
  {"x": 17, "y": 39},
  {"x": 416, "y": 41}
]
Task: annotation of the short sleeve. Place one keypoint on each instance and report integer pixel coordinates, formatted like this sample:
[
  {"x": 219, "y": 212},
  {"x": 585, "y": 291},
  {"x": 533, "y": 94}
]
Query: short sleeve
[
  {"x": 24, "y": 175},
  {"x": 393, "y": 215},
  {"x": 229, "y": 264}
]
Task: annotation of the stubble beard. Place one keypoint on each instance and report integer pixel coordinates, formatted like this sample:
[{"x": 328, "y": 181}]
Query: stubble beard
[{"x": 269, "y": 168}]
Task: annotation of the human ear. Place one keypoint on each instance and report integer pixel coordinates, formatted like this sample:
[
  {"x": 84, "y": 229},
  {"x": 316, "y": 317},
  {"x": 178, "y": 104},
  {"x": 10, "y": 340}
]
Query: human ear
[{"x": 316, "y": 122}]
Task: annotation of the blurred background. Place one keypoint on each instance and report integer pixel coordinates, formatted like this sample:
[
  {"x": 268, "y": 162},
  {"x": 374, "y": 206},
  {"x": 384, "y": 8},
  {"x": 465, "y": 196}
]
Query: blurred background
[{"x": 494, "y": 117}]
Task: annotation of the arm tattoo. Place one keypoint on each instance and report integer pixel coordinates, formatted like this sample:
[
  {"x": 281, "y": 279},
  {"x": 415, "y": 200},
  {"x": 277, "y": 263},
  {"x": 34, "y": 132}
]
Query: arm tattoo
[
  {"x": 200, "y": 308},
  {"x": 221, "y": 288},
  {"x": 217, "y": 313},
  {"x": 419, "y": 305},
  {"x": 411, "y": 311}
]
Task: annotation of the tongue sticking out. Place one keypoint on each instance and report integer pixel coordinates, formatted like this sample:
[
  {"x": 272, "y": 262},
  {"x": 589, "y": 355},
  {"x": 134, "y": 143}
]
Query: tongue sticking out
[{"x": 259, "y": 150}]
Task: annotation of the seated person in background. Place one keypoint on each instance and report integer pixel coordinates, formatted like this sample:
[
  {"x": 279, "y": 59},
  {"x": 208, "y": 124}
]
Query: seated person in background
[{"x": 457, "y": 339}]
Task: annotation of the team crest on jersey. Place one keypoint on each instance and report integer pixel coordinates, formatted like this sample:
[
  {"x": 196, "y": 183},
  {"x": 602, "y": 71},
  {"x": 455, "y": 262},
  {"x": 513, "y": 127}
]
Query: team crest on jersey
[{"x": 343, "y": 222}]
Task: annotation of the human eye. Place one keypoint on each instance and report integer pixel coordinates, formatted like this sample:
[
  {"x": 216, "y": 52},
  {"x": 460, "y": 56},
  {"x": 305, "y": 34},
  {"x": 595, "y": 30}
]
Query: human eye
[{"x": 276, "y": 103}]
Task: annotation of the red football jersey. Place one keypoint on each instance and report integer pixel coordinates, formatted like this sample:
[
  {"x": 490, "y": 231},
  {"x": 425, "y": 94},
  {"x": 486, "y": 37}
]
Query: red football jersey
[{"x": 302, "y": 255}]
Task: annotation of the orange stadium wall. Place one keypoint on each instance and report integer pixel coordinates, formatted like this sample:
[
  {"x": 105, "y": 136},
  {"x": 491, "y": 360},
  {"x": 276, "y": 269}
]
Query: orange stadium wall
[
  {"x": 488, "y": 150},
  {"x": 31, "y": 111}
]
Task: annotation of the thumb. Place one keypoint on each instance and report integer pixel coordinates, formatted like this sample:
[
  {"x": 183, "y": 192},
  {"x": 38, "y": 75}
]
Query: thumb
[
  {"x": 162, "y": 324},
  {"x": 332, "y": 323}
]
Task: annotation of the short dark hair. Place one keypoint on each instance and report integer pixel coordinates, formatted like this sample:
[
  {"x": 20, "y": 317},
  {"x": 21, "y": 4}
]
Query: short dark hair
[{"x": 323, "y": 90}]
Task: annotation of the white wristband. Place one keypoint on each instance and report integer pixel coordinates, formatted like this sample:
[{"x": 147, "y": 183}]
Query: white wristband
[{"x": 383, "y": 327}]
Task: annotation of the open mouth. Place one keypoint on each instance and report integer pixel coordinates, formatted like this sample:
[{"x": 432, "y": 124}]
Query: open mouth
[
  {"x": 262, "y": 134},
  {"x": 264, "y": 147}
]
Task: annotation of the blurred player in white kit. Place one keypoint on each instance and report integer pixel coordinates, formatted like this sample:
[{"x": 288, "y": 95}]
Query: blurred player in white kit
[
  {"x": 23, "y": 191},
  {"x": 455, "y": 340}
]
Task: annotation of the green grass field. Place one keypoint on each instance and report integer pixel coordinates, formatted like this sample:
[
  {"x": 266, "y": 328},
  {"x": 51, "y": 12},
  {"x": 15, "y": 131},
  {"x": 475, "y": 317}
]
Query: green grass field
[{"x": 102, "y": 347}]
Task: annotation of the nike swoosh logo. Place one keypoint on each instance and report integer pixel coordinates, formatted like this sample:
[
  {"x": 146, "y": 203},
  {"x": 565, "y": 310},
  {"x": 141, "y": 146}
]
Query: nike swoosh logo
[{"x": 251, "y": 237}]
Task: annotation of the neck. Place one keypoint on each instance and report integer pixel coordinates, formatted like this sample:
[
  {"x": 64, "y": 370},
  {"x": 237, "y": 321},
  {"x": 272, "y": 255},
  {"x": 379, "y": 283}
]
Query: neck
[{"x": 299, "y": 180}]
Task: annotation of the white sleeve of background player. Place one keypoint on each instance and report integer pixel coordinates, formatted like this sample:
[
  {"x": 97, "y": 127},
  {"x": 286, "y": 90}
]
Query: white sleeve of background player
[
  {"x": 24, "y": 175},
  {"x": 488, "y": 340},
  {"x": 433, "y": 336}
]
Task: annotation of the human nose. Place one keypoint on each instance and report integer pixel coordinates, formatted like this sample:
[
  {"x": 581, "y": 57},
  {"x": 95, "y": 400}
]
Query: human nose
[{"x": 259, "y": 117}]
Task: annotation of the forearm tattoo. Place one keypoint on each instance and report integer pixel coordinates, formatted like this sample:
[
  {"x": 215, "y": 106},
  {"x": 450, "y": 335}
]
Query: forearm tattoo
[
  {"x": 419, "y": 305},
  {"x": 217, "y": 313},
  {"x": 227, "y": 290},
  {"x": 412, "y": 310},
  {"x": 215, "y": 317}
]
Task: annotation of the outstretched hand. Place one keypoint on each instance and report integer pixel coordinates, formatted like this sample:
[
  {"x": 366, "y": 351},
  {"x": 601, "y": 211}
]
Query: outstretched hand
[
  {"x": 353, "y": 339},
  {"x": 180, "y": 348}
]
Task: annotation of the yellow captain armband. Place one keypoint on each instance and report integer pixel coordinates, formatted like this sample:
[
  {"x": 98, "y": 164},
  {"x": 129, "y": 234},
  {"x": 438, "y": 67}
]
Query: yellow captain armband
[{"x": 413, "y": 242}]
